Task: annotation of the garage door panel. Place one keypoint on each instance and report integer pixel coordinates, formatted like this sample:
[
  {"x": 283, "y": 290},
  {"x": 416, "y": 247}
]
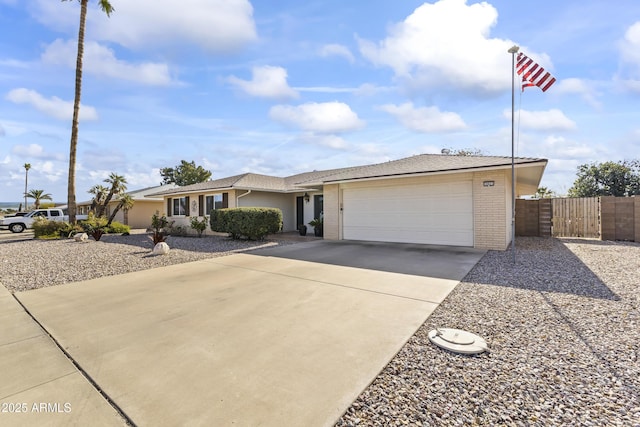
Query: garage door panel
[
  {"x": 433, "y": 213},
  {"x": 400, "y": 235}
]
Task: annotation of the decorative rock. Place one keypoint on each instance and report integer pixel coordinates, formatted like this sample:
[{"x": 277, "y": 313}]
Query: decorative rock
[
  {"x": 81, "y": 237},
  {"x": 161, "y": 248}
]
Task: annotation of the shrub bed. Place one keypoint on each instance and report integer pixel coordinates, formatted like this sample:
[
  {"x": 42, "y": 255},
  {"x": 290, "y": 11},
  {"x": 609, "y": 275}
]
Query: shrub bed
[
  {"x": 46, "y": 229},
  {"x": 250, "y": 223}
]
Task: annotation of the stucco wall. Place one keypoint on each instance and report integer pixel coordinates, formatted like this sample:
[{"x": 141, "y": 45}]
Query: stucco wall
[
  {"x": 285, "y": 202},
  {"x": 139, "y": 216}
]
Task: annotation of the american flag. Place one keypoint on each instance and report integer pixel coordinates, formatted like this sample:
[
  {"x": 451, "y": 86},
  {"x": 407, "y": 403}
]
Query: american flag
[{"x": 533, "y": 74}]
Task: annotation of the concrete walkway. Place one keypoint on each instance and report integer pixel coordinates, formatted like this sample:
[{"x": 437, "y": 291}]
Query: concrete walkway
[
  {"x": 243, "y": 339},
  {"x": 38, "y": 384}
]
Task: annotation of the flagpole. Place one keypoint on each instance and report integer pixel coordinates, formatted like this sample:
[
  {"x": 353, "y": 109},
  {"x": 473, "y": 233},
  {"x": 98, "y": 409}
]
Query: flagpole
[{"x": 513, "y": 50}]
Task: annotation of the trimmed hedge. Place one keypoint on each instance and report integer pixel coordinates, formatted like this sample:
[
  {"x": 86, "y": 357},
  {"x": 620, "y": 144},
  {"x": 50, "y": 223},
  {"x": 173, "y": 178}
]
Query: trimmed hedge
[{"x": 251, "y": 223}]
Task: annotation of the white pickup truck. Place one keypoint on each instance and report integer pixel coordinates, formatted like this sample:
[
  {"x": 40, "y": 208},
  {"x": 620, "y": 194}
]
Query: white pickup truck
[{"x": 17, "y": 224}]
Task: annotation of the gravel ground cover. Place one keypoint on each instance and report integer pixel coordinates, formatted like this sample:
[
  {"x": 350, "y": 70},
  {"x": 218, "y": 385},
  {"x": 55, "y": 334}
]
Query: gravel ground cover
[
  {"x": 33, "y": 264},
  {"x": 563, "y": 324}
]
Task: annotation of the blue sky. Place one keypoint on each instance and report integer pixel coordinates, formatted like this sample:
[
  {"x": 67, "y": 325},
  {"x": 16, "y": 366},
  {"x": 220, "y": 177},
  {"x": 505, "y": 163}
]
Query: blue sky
[{"x": 280, "y": 87}]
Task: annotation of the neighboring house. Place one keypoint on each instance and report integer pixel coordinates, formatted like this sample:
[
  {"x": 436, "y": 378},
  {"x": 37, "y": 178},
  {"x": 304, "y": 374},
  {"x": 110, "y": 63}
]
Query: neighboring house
[
  {"x": 139, "y": 216},
  {"x": 427, "y": 199}
]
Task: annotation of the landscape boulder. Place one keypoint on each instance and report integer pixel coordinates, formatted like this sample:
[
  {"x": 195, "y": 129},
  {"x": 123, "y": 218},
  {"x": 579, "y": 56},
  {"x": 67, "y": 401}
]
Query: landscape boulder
[{"x": 161, "y": 248}]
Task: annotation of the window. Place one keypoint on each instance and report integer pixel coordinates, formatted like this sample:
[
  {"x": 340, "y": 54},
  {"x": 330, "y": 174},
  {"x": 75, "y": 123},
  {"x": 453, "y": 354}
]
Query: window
[
  {"x": 213, "y": 202},
  {"x": 180, "y": 206},
  {"x": 55, "y": 213}
]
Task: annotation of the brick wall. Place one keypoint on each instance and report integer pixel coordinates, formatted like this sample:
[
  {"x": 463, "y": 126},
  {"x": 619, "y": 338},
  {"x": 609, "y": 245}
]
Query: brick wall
[
  {"x": 332, "y": 212},
  {"x": 491, "y": 210}
]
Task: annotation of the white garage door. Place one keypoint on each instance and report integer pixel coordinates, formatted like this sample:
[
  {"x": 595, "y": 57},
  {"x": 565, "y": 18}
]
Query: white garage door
[{"x": 434, "y": 213}]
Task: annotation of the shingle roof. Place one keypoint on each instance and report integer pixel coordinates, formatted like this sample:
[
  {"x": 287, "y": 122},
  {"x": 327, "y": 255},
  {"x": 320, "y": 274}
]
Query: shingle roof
[
  {"x": 424, "y": 163},
  {"x": 144, "y": 192}
]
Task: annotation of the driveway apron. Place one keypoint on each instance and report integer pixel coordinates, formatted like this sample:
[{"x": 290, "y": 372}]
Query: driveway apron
[{"x": 247, "y": 339}]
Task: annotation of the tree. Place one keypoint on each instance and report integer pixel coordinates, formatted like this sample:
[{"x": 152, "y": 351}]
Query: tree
[
  {"x": 186, "y": 173},
  {"x": 99, "y": 194},
  {"x": 102, "y": 195},
  {"x": 118, "y": 187},
  {"x": 71, "y": 186},
  {"x": 37, "y": 196},
  {"x": 27, "y": 166},
  {"x": 544, "y": 193},
  {"x": 125, "y": 202},
  {"x": 607, "y": 179}
]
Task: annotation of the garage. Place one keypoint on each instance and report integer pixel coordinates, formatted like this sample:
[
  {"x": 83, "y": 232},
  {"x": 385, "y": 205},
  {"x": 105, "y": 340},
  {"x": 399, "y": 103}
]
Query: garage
[{"x": 425, "y": 211}]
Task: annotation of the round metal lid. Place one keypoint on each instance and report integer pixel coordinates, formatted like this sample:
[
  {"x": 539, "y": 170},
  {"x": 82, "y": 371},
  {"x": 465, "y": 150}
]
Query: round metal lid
[{"x": 458, "y": 341}]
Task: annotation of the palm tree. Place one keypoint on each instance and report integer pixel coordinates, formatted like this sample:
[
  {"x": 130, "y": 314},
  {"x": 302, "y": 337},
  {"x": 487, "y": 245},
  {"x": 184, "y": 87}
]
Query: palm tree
[
  {"x": 118, "y": 187},
  {"x": 37, "y": 196},
  {"x": 71, "y": 188},
  {"x": 99, "y": 194},
  {"x": 125, "y": 202},
  {"x": 27, "y": 166}
]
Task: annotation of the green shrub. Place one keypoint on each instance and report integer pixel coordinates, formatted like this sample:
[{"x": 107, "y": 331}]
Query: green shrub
[
  {"x": 252, "y": 223},
  {"x": 118, "y": 228},
  {"x": 160, "y": 225},
  {"x": 199, "y": 225},
  {"x": 45, "y": 229},
  {"x": 96, "y": 226}
]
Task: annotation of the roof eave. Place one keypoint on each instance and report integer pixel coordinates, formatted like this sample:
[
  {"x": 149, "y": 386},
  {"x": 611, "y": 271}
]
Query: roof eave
[{"x": 536, "y": 162}]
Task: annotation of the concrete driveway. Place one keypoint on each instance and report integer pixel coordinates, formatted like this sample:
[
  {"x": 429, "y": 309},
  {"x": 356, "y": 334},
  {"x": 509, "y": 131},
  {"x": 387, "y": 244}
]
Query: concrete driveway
[{"x": 285, "y": 336}]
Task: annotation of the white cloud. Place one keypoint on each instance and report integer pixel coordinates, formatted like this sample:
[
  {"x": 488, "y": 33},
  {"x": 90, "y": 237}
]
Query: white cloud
[
  {"x": 336, "y": 50},
  {"x": 266, "y": 82},
  {"x": 54, "y": 106},
  {"x": 2, "y": 131},
  {"x": 215, "y": 25},
  {"x": 630, "y": 44},
  {"x": 446, "y": 43},
  {"x": 101, "y": 61},
  {"x": 551, "y": 120},
  {"x": 630, "y": 53},
  {"x": 327, "y": 117},
  {"x": 558, "y": 146},
  {"x": 582, "y": 87},
  {"x": 424, "y": 119}
]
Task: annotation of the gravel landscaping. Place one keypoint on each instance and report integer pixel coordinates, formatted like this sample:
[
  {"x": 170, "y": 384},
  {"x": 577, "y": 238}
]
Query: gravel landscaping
[
  {"x": 563, "y": 325},
  {"x": 33, "y": 264}
]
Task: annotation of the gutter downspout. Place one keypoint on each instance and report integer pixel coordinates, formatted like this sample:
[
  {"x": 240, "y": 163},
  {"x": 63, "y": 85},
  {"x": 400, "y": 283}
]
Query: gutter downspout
[{"x": 242, "y": 195}]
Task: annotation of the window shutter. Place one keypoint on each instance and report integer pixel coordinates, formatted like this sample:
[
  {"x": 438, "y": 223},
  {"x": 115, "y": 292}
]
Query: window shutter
[
  {"x": 201, "y": 205},
  {"x": 187, "y": 208},
  {"x": 225, "y": 200},
  {"x": 169, "y": 213}
]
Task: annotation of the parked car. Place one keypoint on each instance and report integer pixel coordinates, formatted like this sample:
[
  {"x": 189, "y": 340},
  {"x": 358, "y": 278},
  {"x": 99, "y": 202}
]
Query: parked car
[{"x": 17, "y": 224}]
